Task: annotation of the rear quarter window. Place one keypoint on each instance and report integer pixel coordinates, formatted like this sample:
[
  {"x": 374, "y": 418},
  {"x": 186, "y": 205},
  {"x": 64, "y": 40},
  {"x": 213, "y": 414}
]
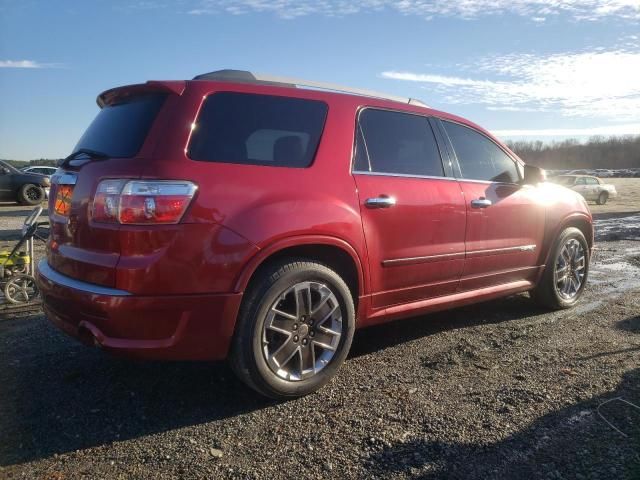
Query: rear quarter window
[{"x": 254, "y": 129}]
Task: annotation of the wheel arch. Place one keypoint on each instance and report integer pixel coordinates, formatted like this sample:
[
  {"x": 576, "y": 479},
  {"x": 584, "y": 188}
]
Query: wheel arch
[
  {"x": 581, "y": 221},
  {"x": 334, "y": 252}
]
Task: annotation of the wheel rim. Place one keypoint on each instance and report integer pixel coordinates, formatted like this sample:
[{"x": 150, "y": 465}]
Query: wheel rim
[
  {"x": 302, "y": 331},
  {"x": 33, "y": 194},
  {"x": 21, "y": 290},
  {"x": 570, "y": 269}
]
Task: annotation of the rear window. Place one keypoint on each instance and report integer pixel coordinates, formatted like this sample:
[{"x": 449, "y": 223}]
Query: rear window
[
  {"x": 120, "y": 129},
  {"x": 258, "y": 130}
]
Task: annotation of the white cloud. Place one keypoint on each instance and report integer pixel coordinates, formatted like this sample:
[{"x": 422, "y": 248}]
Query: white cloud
[
  {"x": 537, "y": 10},
  {"x": 596, "y": 84},
  {"x": 625, "y": 129},
  {"x": 25, "y": 64}
]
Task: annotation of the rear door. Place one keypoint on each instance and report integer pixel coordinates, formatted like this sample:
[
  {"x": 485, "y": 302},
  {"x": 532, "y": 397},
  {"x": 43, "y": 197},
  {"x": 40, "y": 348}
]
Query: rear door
[
  {"x": 413, "y": 213},
  {"x": 581, "y": 187},
  {"x": 592, "y": 188},
  {"x": 505, "y": 219}
]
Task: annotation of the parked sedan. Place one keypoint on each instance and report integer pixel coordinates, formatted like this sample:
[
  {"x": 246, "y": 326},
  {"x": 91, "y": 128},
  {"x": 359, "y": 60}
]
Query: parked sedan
[
  {"x": 22, "y": 187},
  {"x": 591, "y": 188}
]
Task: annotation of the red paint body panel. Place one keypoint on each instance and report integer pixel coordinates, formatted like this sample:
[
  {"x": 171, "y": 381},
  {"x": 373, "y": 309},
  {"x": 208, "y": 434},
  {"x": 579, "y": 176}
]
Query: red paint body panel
[
  {"x": 495, "y": 234},
  {"x": 185, "y": 282},
  {"x": 428, "y": 220}
]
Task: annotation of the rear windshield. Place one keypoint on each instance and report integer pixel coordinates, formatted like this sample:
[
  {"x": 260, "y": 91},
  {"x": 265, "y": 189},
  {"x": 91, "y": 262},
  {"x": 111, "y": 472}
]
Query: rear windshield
[
  {"x": 258, "y": 130},
  {"x": 120, "y": 129}
]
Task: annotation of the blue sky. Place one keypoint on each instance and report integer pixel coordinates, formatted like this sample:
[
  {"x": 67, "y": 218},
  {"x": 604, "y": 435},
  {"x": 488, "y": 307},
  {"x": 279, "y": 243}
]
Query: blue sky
[{"x": 521, "y": 68}]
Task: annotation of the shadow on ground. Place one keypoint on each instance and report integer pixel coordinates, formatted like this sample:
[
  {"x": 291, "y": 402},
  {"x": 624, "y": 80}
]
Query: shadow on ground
[
  {"x": 59, "y": 396},
  {"x": 556, "y": 446}
]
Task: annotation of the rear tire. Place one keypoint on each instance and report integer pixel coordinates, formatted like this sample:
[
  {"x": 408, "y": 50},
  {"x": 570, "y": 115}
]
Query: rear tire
[
  {"x": 294, "y": 329},
  {"x": 602, "y": 199},
  {"x": 30, "y": 194},
  {"x": 566, "y": 273}
]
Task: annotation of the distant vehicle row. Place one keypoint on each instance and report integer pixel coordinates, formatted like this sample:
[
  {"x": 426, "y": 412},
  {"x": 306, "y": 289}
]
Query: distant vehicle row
[{"x": 23, "y": 187}]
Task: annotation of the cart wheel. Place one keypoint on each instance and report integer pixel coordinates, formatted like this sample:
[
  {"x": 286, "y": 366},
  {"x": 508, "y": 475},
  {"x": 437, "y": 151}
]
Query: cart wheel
[{"x": 21, "y": 289}]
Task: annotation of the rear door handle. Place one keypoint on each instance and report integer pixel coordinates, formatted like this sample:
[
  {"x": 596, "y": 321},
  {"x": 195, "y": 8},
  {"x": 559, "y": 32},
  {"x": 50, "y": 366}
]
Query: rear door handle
[
  {"x": 383, "y": 201},
  {"x": 481, "y": 203}
]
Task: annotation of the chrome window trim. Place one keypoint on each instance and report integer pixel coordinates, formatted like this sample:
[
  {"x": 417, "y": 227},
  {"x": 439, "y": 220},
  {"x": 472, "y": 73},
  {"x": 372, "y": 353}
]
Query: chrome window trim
[
  {"x": 404, "y": 175},
  {"x": 59, "y": 279}
]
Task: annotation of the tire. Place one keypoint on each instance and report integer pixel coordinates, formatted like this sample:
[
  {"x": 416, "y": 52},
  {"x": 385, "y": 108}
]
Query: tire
[
  {"x": 30, "y": 194},
  {"x": 21, "y": 289},
  {"x": 552, "y": 292},
  {"x": 602, "y": 198},
  {"x": 263, "y": 338}
]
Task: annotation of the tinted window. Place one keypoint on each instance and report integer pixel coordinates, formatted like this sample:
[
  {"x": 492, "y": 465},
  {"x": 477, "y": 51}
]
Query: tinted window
[
  {"x": 581, "y": 181},
  {"x": 400, "y": 143},
  {"x": 258, "y": 130},
  {"x": 480, "y": 158},
  {"x": 566, "y": 180},
  {"x": 120, "y": 129},
  {"x": 592, "y": 181}
]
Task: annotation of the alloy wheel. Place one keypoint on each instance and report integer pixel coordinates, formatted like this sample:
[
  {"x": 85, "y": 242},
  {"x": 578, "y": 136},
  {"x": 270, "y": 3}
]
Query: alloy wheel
[
  {"x": 302, "y": 331},
  {"x": 570, "y": 269}
]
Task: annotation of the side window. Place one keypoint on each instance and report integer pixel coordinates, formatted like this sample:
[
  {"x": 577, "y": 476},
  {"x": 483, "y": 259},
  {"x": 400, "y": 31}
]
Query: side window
[
  {"x": 397, "y": 143},
  {"x": 592, "y": 181},
  {"x": 480, "y": 158},
  {"x": 581, "y": 181},
  {"x": 258, "y": 130}
]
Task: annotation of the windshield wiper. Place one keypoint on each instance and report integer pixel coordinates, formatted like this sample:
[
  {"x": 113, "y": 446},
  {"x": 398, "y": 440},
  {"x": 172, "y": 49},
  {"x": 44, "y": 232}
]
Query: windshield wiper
[{"x": 88, "y": 152}]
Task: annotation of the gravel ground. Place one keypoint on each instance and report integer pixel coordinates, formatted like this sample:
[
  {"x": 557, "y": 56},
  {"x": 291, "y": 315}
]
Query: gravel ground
[{"x": 502, "y": 390}]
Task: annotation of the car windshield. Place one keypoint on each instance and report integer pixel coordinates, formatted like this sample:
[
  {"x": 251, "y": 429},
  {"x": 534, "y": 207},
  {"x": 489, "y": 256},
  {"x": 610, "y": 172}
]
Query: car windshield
[{"x": 9, "y": 167}]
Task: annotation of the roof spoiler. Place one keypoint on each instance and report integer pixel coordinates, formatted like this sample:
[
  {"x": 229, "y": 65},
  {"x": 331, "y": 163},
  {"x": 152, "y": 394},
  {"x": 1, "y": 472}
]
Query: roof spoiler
[
  {"x": 110, "y": 96},
  {"x": 243, "y": 76}
]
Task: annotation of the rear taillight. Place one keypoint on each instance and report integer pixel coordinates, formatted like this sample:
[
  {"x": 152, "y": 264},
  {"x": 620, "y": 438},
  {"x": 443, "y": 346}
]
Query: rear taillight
[{"x": 142, "y": 202}]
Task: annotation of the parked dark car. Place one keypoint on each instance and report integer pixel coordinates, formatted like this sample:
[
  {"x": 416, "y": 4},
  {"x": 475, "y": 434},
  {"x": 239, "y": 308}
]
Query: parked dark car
[
  {"x": 263, "y": 220},
  {"x": 22, "y": 187}
]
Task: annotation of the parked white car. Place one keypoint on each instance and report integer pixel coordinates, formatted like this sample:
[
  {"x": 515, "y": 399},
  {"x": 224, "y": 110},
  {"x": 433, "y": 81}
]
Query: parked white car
[
  {"x": 42, "y": 170},
  {"x": 591, "y": 188}
]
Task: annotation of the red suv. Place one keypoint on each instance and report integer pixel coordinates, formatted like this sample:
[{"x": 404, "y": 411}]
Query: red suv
[{"x": 250, "y": 218}]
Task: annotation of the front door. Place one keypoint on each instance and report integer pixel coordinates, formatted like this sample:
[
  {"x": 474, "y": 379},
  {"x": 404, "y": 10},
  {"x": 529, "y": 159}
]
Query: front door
[
  {"x": 413, "y": 215},
  {"x": 6, "y": 183},
  {"x": 505, "y": 219}
]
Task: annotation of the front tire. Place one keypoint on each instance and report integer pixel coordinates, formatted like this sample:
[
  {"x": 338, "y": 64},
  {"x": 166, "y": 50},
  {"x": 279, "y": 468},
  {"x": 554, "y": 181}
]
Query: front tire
[
  {"x": 565, "y": 276},
  {"x": 294, "y": 329},
  {"x": 30, "y": 194},
  {"x": 602, "y": 199}
]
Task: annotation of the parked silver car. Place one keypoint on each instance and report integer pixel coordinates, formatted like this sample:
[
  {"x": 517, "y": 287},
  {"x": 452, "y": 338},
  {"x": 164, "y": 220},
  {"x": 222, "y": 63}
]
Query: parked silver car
[{"x": 591, "y": 188}]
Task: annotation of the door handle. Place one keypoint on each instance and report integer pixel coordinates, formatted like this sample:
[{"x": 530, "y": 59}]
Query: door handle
[
  {"x": 481, "y": 203},
  {"x": 383, "y": 201}
]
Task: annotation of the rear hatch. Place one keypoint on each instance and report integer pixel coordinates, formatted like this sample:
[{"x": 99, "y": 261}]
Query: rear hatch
[{"x": 115, "y": 146}]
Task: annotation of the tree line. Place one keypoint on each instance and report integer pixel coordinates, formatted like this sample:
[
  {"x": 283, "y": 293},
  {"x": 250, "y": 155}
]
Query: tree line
[
  {"x": 597, "y": 152},
  {"x": 46, "y": 162}
]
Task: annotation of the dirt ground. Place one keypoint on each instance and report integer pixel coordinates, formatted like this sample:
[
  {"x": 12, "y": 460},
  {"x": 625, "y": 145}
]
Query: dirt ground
[
  {"x": 628, "y": 197},
  {"x": 500, "y": 390}
]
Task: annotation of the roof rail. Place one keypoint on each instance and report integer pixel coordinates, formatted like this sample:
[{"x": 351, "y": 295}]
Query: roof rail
[{"x": 243, "y": 76}]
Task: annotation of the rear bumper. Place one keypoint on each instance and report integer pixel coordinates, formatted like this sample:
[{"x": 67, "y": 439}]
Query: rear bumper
[{"x": 173, "y": 327}]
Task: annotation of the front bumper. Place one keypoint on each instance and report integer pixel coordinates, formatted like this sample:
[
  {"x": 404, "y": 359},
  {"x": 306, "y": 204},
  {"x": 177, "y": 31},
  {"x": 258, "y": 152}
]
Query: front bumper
[{"x": 173, "y": 327}]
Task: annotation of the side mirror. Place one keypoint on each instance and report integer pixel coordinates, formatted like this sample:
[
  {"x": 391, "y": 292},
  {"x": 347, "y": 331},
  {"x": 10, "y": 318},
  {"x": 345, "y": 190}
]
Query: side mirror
[
  {"x": 534, "y": 175},
  {"x": 5, "y": 170}
]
